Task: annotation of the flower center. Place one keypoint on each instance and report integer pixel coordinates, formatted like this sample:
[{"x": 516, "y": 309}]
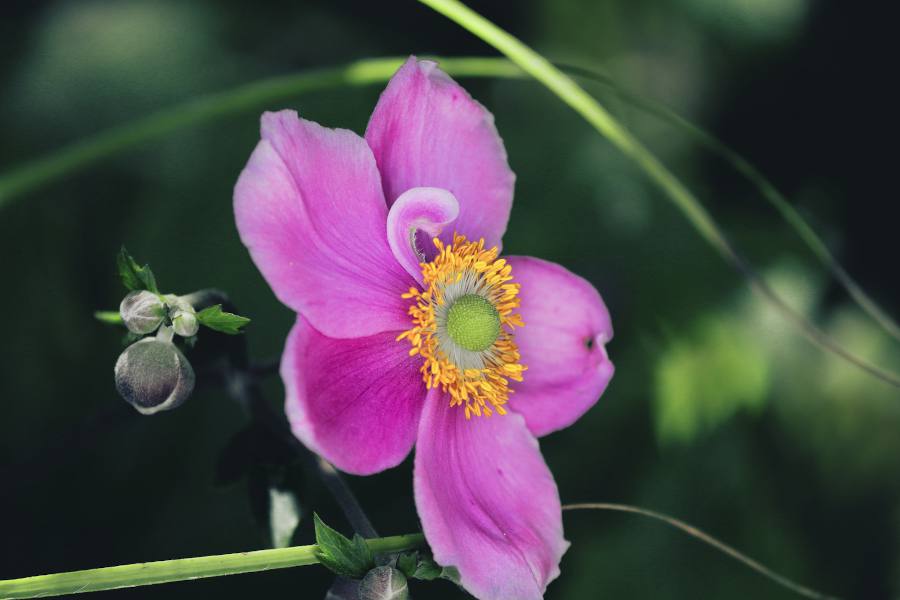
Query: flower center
[
  {"x": 473, "y": 323},
  {"x": 463, "y": 324}
]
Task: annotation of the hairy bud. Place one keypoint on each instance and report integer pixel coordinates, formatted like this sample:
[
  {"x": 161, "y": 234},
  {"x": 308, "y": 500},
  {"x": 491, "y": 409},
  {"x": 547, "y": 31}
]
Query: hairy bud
[
  {"x": 183, "y": 316},
  {"x": 383, "y": 583},
  {"x": 142, "y": 311},
  {"x": 153, "y": 375}
]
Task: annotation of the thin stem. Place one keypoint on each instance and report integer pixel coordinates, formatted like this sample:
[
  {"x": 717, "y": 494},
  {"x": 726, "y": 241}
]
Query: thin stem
[
  {"x": 42, "y": 171},
  {"x": 182, "y": 569},
  {"x": 765, "y": 187},
  {"x": 709, "y": 540},
  {"x": 584, "y": 104}
]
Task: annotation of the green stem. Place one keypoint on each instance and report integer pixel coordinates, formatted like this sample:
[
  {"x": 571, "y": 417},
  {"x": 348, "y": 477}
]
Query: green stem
[
  {"x": 34, "y": 174},
  {"x": 704, "y": 537},
  {"x": 765, "y": 187},
  {"x": 182, "y": 569},
  {"x": 584, "y": 104}
]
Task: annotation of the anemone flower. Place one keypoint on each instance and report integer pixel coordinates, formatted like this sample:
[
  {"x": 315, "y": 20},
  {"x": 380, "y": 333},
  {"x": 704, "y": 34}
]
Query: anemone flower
[{"x": 412, "y": 330}]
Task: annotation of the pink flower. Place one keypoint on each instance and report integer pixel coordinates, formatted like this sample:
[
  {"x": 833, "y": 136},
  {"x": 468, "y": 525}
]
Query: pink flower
[{"x": 402, "y": 340}]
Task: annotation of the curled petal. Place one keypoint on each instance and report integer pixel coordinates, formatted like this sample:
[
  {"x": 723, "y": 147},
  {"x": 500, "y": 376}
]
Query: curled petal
[
  {"x": 309, "y": 207},
  {"x": 562, "y": 343},
  {"x": 426, "y": 131},
  {"x": 418, "y": 216},
  {"x": 488, "y": 503},
  {"x": 356, "y": 401}
]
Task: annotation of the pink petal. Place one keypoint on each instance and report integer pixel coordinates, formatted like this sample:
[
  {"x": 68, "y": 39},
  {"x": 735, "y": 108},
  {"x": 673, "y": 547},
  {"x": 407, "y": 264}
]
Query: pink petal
[
  {"x": 417, "y": 217},
  {"x": 562, "y": 343},
  {"x": 428, "y": 132},
  {"x": 309, "y": 207},
  {"x": 356, "y": 402},
  {"x": 487, "y": 502}
]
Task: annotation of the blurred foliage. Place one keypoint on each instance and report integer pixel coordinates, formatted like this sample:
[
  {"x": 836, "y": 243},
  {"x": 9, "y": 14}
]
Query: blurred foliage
[
  {"x": 702, "y": 380},
  {"x": 719, "y": 412}
]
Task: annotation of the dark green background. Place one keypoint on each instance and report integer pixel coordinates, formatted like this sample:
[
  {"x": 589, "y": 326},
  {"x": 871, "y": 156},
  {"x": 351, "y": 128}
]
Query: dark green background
[{"x": 720, "y": 413}]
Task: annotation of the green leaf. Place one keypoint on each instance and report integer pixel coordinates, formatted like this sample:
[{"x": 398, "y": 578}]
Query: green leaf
[
  {"x": 407, "y": 562},
  {"x": 420, "y": 565},
  {"x": 134, "y": 276},
  {"x": 427, "y": 569},
  {"x": 217, "y": 319},
  {"x": 451, "y": 574},
  {"x": 349, "y": 558},
  {"x": 716, "y": 370}
]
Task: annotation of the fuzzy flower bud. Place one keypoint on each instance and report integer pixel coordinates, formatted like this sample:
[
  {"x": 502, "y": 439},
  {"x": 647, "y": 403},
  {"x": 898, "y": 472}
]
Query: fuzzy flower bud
[
  {"x": 383, "y": 583},
  {"x": 142, "y": 311},
  {"x": 153, "y": 375},
  {"x": 183, "y": 316}
]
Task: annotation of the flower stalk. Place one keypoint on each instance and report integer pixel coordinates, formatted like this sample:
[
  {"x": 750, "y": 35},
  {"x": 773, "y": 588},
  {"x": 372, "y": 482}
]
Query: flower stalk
[{"x": 182, "y": 569}]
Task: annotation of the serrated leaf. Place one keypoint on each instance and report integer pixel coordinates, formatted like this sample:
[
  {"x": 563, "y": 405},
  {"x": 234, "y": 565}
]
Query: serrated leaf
[
  {"x": 218, "y": 320},
  {"x": 134, "y": 276},
  {"x": 349, "y": 558}
]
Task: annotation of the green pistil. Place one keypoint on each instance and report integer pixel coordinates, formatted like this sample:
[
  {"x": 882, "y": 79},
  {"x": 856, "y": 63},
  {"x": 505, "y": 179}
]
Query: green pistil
[{"x": 473, "y": 323}]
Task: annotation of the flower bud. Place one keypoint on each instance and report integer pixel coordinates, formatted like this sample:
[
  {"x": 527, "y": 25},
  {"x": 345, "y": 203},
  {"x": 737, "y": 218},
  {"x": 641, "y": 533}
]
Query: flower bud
[
  {"x": 185, "y": 324},
  {"x": 383, "y": 583},
  {"x": 183, "y": 315},
  {"x": 142, "y": 311},
  {"x": 153, "y": 375}
]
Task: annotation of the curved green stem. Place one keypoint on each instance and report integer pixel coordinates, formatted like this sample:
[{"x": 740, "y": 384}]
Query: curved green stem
[
  {"x": 766, "y": 189},
  {"x": 34, "y": 174},
  {"x": 182, "y": 569},
  {"x": 584, "y": 104},
  {"x": 704, "y": 537}
]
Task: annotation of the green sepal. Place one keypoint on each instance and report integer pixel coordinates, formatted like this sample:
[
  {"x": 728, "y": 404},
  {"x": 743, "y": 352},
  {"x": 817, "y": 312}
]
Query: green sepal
[
  {"x": 217, "y": 319},
  {"x": 134, "y": 276},
  {"x": 346, "y": 557}
]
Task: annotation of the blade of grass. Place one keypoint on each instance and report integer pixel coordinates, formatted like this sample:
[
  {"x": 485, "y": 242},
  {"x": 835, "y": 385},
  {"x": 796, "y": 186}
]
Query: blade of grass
[
  {"x": 697, "y": 534},
  {"x": 584, "y": 104},
  {"x": 183, "y": 569}
]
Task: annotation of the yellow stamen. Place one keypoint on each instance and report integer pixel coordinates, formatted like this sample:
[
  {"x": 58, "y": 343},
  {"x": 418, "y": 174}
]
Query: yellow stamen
[{"x": 484, "y": 390}]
